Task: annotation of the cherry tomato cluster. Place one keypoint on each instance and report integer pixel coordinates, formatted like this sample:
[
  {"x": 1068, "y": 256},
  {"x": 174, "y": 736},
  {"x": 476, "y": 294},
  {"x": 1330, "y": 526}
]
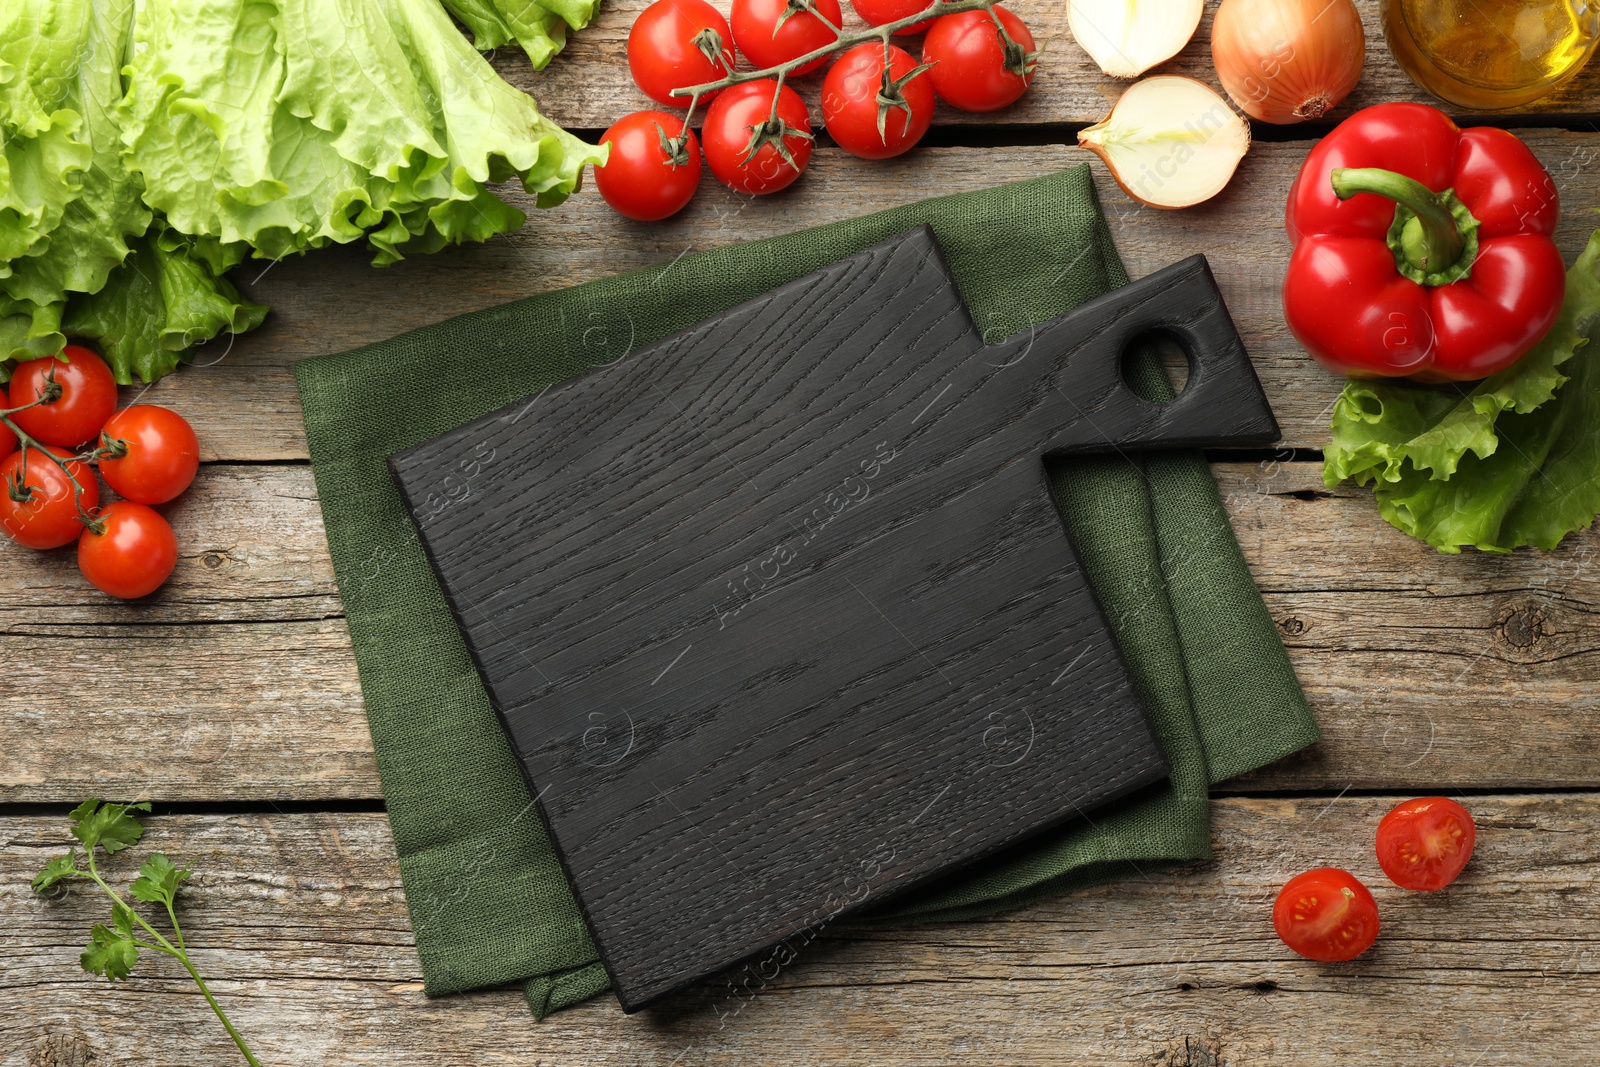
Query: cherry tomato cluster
[
  {"x": 66, "y": 414},
  {"x": 1326, "y": 914},
  {"x": 877, "y": 99}
]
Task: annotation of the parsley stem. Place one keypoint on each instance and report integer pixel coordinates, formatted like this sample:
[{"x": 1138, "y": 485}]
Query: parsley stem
[
  {"x": 176, "y": 930},
  {"x": 176, "y": 953},
  {"x": 165, "y": 945},
  {"x": 222, "y": 1016}
]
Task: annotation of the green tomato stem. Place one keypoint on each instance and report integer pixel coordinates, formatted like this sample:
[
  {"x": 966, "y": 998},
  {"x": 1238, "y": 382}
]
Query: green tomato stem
[
  {"x": 843, "y": 42},
  {"x": 27, "y": 442},
  {"x": 810, "y": 5},
  {"x": 4, "y": 412}
]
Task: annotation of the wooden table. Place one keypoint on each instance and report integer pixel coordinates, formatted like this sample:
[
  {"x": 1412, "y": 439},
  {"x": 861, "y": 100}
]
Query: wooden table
[{"x": 231, "y": 700}]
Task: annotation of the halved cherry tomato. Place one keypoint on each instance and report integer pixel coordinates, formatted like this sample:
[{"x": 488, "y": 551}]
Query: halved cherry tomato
[
  {"x": 675, "y": 44},
  {"x": 739, "y": 119},
  {"x": 642, "y": 180},
  {"x": 975, "y": 69},
  {"x": 133, "y": 555},
  {"x": 162, "y": 454},
  {"x": 770, "y": 32},
  {"x": 48, "y": 518},
  {"x": 883, "y": 12},
  {"x": 88, "y": 397},
  {"x": 1326, "y": 914},
  {"x": 1424, "y": 843},
  {"x": 851, "y": 102}
]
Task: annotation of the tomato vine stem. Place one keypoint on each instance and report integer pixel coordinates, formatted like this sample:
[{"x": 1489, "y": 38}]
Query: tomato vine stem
[
  {"x": 842, "y": 42},
  {"x": 773, "y": 131},
  {"x": 1017, "y": 59},
  {"x": 27, "y": 442},
  {"x": 837, "y": 45}
]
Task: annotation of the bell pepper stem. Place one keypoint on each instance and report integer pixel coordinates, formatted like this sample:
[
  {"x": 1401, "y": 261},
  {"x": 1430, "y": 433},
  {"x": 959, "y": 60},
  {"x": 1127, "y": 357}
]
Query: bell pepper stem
[{"x": 1432, "y": 239}]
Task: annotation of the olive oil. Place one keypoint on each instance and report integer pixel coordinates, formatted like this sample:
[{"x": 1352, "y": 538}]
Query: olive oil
[{"x": 1491, "y": 54}]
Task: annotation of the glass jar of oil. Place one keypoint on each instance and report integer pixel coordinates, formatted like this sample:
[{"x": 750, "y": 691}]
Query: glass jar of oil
[{"x": 1491, "y": 54}]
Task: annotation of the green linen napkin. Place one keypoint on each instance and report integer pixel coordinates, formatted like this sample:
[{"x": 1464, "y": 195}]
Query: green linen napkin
[{"x": 488, "y": 901}]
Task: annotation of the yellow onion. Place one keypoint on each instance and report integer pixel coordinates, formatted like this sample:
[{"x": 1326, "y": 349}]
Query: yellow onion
[{"x": 1287, "y": 60}]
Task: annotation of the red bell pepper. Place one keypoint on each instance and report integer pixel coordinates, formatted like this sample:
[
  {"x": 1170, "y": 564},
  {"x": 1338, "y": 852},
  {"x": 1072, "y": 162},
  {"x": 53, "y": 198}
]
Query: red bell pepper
[{"x": 1422, "y": 250}]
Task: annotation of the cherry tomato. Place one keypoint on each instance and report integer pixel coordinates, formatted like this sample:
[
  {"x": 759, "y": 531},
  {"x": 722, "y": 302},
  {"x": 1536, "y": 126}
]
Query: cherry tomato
[
  {"x": 883, "y": 12},
  {"x": 162, "y": 454},
  {"x": 49, "y": 517},
  {"x": 88, "y": 397},
  {"x": 664, "y": 49},
  {"x": 768, "y": 38},
  {"x": 133, "y": 555},
  {"x": 1326, "y": 914},
  {"x": 1424, "y": 843},
  {"x": 641, "y": 179},
  {"x": 8, "y": 440},
  {"x": 737, "y": 118},
  {"x": 850, "y": 102},
  {"x": 972, "y": 68}
]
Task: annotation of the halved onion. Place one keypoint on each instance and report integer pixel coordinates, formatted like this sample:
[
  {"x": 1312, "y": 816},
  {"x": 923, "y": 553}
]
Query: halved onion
[
  {"x": 1128, "y": 37},
  {"x": 1170, "y": 142}
]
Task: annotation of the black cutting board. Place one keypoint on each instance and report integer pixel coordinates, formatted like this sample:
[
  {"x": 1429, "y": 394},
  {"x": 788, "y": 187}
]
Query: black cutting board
[{"x": 778, "y": 613}]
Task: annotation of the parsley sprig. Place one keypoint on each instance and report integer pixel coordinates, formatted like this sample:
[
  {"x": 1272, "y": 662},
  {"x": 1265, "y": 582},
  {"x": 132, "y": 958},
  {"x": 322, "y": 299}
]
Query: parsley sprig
[{"x": 114, "y": 949}]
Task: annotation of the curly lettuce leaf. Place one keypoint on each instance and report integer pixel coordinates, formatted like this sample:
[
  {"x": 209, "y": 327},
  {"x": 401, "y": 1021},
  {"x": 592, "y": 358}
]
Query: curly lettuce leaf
[
  {"x": 1508, "y": 463},
  {"x": 539, "y": 28},
  {"x": 28, "y": 331},
  {"x": 156, "y": 307},
  {"x": 219, "y": 157},
  {"x": 60, "y": 78},
  {"x": 39, "y": 177},
  {"x": 42, "y": 156},
  {"x": 89, "y": 237},
  {"x": 286, "y": 125},
  {"x": 248, "y": 126}
]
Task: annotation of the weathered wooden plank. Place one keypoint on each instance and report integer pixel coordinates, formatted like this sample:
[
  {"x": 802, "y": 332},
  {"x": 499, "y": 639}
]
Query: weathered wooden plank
[
  {"x": 242, "y": 398},
  {"x": 262, "y": 710},
  {"x": 299, "y": 923},
  {"x": 1470, "y": 670},
  {"x": 250, "y": 548},
  {"x": 589, "y": 86}
]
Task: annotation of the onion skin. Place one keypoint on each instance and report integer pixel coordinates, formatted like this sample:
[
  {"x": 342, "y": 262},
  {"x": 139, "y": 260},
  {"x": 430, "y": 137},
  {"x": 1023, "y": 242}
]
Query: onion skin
[{"x": 1286, "y": 61}]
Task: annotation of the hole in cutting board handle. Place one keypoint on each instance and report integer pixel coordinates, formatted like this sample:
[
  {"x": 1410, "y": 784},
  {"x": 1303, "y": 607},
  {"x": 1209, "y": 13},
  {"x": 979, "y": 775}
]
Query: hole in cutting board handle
[
  {"x": 1152, "y": 351},
  {"x": 1221, "y": 403}
]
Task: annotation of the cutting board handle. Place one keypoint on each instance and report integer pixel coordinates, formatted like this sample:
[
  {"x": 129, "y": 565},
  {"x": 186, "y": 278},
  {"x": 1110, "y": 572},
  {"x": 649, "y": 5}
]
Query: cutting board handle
[{"x": 1093, "y": 408}]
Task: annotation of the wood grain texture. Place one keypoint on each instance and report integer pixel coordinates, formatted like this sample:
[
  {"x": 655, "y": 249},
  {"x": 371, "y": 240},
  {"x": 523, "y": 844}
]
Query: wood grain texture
[
  {"x": 299, "y": 923},
  {"x": 589, "y": 87},
  {"x": 238, "y": 683},
  {"x": 894, "y": 591},
  {"x": 241, "y": 395},
  {"x": 1424, "y": 671}
]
